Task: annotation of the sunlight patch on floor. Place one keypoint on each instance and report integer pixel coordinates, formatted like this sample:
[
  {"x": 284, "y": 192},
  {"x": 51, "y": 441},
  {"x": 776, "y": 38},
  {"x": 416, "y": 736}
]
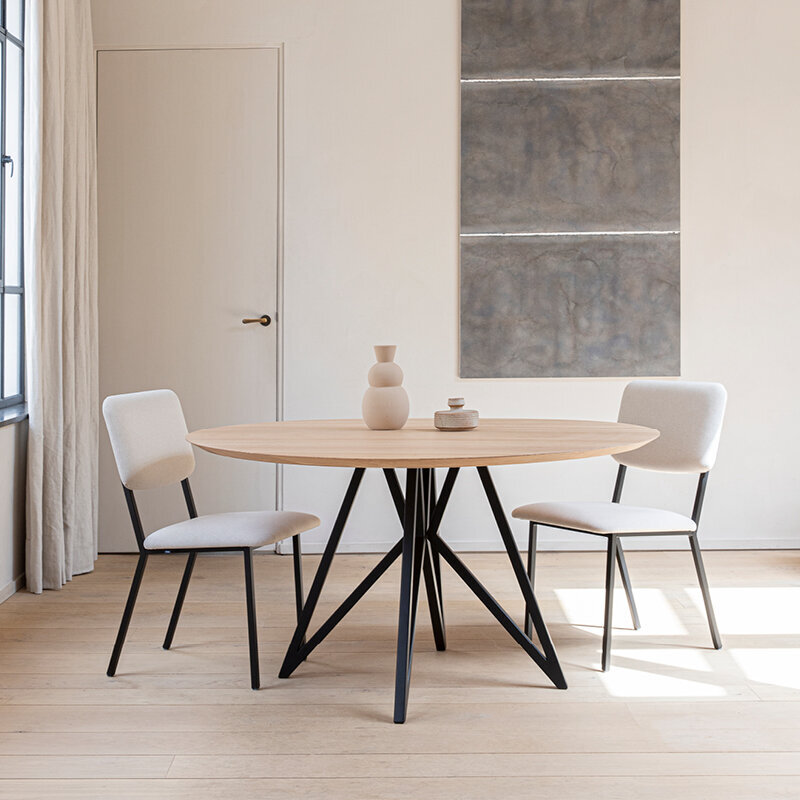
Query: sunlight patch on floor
[
  {"x": 584, "y": 609},
  {"x": 652, "y": 680},
  {"x": 776, "y": 666},
  {"x": 758, "y": 610}
]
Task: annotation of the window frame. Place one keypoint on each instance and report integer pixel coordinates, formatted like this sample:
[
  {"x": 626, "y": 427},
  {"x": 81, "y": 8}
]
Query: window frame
[{"x": 18, "y": 166}]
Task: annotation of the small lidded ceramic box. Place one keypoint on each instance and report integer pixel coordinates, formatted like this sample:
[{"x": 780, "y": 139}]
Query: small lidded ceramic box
[{"x": 456, "y": 418}]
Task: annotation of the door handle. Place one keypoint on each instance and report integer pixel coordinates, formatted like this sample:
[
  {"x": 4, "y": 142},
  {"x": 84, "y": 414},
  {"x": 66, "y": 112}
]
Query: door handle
[{"x": 264, "y": 320}]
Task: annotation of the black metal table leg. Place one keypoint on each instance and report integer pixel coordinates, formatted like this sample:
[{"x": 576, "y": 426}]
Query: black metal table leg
[
  {"x": 431, "y": 569},
  {"x": 433, "y": 592},
  {"x": 437, "y": 563},
  {"x": 500, "y": 614},
  {"x": 395, "y": 491},
  {"x": 419, "y": 554},
  {"x": 407, "y": 597},
  {"x": 290, "y": 661},
  {"x": 432, "y": 587},
  {"x": 433, "y": 575},
  {"x": 421, "y": 512},
  {"x": 346, "y": 606},
  {"x": 299, "y": 650},
  {"x": 551, "y": 667}
]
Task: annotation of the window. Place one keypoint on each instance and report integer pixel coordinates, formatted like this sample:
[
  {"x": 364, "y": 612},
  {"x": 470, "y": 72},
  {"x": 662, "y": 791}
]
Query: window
[{"x": 12, "y": 363}]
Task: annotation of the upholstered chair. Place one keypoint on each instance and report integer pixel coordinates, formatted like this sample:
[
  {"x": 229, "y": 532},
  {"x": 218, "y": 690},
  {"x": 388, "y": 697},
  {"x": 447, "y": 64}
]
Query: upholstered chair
[
  {"x": 148, "y": 437},
  {"x": 689, "y": 418}
]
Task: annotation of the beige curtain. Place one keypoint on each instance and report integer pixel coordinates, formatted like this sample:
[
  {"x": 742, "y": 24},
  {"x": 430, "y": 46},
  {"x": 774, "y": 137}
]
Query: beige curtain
[{"x": 61, "y": 288}]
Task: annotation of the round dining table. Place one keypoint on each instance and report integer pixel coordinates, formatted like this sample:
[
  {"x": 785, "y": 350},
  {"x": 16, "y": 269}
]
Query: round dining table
[{"x": 419, "y": 448}]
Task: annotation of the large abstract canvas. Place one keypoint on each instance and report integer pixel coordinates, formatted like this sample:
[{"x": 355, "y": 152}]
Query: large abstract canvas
[{"x": 570, "y": 125}]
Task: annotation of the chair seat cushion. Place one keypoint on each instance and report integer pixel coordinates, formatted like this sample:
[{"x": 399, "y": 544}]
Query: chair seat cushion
[
  {"x": 604, "y": 517},
  {"x": 234, "y": 529}
]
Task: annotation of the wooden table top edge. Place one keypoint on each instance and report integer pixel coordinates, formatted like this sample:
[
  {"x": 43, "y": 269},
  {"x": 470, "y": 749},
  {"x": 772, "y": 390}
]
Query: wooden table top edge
[{"x": 418, "y": 462}]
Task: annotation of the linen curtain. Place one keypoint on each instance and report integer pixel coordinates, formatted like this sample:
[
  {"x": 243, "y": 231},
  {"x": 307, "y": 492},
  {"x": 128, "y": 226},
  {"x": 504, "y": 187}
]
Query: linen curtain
[{"x": 61, "y": 288}]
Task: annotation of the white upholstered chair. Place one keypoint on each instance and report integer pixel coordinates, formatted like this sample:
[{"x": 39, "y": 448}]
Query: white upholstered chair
[
  {"x": 148, "y": 437},
  {"x": 689, "y": 417}
]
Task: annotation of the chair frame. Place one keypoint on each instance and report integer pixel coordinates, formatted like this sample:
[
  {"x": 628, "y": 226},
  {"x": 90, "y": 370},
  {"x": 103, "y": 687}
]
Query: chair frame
[
  {"x": 247, "y": 552},
  {"x": 615, "y": 554}
]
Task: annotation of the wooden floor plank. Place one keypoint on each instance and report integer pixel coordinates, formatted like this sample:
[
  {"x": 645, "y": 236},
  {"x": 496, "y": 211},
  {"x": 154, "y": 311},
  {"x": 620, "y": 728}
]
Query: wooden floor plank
[
  {"x": 81, "y": 767},
  {"x": 565, "y": 788},
  {"x": 478, "y": 765}
]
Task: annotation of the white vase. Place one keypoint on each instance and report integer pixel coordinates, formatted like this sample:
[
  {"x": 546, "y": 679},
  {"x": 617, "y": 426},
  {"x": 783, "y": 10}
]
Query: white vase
[{"x": 385, "y": 403}]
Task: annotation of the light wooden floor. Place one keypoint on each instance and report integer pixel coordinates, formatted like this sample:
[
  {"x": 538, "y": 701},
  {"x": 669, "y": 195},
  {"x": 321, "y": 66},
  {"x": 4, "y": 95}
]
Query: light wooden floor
[{"x": 673, "y": 718}]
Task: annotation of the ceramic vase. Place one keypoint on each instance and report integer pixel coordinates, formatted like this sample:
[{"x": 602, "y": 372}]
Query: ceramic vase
[{"x": 385, "y": 404}]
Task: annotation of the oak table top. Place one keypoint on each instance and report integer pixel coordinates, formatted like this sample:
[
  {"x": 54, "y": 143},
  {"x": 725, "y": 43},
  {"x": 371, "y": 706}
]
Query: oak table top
[{"x": 349, "y": 443}]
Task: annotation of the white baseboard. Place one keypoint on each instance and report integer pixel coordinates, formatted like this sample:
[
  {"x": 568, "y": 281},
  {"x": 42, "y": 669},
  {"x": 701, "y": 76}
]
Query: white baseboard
[
  {"x": 12, "y": 587},
  {"x": 583, "y": 543}
]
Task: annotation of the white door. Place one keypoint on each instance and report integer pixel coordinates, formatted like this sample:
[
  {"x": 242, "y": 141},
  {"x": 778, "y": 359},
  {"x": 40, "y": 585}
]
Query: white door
[{"x": 188, "y": 153}]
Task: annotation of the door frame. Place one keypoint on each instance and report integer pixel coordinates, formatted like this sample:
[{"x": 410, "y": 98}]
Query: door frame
[{"x": 279, "y": 266}]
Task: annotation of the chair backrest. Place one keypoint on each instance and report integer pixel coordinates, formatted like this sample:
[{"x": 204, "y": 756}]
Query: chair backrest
[
  {"x": 148, "y": 437},
  {"x": 689, "y": 416}
]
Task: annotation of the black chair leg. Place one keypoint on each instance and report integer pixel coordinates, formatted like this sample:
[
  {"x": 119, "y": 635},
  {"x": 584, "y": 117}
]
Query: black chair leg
[
  {"x": 532, "y": 539},
  {"x": 127, "y": 614},
  {"x": 252, "y": 634},
  {"x": 610, "y": 569},
  {"x": 626, "y": 582},
  {"x": 701, "y": 577},
  {"x": 176, "y": 610}
]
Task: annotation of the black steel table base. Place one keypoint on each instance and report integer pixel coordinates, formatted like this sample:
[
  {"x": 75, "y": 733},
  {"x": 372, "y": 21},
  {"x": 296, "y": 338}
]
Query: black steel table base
[{"x": 421, "y": 550}]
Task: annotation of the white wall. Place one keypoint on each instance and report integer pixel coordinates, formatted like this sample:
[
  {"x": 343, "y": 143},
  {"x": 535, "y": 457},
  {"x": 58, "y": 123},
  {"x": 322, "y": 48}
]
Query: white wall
[
  {"x": 371, "y": 245},
  {"x": 13, "y": 440}
]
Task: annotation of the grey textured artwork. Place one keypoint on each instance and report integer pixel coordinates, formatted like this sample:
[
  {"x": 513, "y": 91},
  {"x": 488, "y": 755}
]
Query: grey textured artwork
[
  {"x": 539, "y": 38},
  {"x": 542, "y": 305},
  {"x": 570, "y": 113},
  {"x": 570, "y": 156}
]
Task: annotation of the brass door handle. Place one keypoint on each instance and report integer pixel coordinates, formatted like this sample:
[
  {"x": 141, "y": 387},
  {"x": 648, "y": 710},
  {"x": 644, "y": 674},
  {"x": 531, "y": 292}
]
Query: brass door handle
[{"x": 264, "y": 320}]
